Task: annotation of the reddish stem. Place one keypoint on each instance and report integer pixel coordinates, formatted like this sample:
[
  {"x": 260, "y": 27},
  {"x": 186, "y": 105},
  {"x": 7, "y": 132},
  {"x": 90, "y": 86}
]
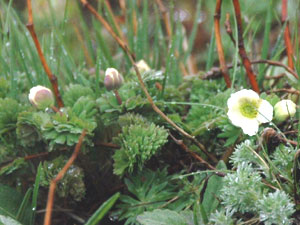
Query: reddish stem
[
  {"x": 223, "y": 65},
  {"x": 118, "y": 97},
  {"x": 60, "y": 175},
  {"x": 242, "y": 51},
  {"x": 52, "y": 78},
  {"x": 287, "y": 35},
  {"x": 35, "y": 155}
]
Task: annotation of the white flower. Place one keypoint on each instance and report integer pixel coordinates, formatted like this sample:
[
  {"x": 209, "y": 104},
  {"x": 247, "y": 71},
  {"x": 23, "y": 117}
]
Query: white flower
[
  {"x": 284, "y": 109},
  {"x": 247, "y": 110},
  {"x": 113, "y": 79},
  {"x": 41, "y": 97}
]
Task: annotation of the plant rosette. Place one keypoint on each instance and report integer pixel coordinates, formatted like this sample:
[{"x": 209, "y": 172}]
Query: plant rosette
[
  {"x": 41, "y": 97},
  {"x": 247, "y": 111},
  {"x": 284, "y": 109}
]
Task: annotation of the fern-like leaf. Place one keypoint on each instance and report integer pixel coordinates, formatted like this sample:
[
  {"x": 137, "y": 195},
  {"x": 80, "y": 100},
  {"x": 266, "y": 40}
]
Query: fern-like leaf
[{"x": 139, "y": 141}]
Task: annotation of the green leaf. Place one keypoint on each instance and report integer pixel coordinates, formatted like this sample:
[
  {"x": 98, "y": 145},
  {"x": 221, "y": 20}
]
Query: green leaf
[
  {"x": 9, "y": 110},
  {"x": 35, "y": 193},
  {"x": 24, "y": 206},
  {"x": 11, "y": 167},
  {"x": 102, "y": 210},
  {"x": 6, "y": 220},
  {"x": 162, "y": 217},
  {"x": 203, "y": 213},
  {"x": 74, "y": 92},
  {"x": 139, "y": 141},
  {"x": 149, "y": 190},
  {"x": 210, "y": 201},
  {"x": 10, "y": 201}
]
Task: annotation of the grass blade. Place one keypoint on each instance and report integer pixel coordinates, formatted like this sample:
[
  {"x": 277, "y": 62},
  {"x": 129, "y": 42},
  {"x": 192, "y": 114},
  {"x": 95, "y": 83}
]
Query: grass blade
[
  {"x": 35, "y": 194},
  {"x": 102, "y": 210}
]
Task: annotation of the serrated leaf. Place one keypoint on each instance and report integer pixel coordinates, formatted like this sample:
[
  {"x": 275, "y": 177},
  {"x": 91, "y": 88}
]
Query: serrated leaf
[
  {"x": 74, "y": 92},
  {"x": 139, "y": 141}
]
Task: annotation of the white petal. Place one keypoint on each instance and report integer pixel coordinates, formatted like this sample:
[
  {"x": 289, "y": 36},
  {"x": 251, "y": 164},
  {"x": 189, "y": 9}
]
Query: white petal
[
  {"x": 250, "y": 127},
  {"x": 265, "y": 112},
  {"x": 245, "y": 93},
  {"x": 235, "y": 116}
]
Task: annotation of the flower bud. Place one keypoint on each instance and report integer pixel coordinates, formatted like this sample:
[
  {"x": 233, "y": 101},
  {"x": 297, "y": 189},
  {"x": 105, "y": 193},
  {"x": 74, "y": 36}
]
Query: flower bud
[
  {"x": 41, "y": 97},
  {"x": 113, "y": 79},
  {"x": 284, "y": 109},
  {"x": 142, "y": 66}
]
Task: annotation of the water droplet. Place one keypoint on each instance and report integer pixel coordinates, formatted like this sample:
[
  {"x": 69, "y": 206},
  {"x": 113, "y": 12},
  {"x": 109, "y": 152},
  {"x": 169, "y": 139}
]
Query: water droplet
[
  {"x": 7, "y": 44},
  {"x": 50, "y": 166},
  {"x": 113, "y": 217}
]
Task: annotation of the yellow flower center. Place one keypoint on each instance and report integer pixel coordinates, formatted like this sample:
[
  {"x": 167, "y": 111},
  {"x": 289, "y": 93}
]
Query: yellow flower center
[{"x": 249, "y": 107}]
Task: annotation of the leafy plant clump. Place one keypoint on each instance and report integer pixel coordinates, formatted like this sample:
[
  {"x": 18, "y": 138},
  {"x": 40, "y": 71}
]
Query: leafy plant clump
[{"x": 139, "y": 141}]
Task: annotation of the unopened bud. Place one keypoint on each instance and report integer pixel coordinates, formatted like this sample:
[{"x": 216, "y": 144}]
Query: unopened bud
[
  {"x": 113, "y": 79},
  {"x": 284, "y": 109},
  {"x": 142, "y": 66},
  {"x": 41, "y": 97}
]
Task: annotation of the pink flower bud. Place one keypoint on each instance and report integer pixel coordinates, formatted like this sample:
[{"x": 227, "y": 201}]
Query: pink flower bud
[
  {"x": 41, "y": 97},
  {"x": 113, "y": 79}
]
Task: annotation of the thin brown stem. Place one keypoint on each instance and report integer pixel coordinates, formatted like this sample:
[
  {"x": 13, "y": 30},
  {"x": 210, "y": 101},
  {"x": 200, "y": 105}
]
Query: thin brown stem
[
  {"x": 165, "y": 16},
  {"x": 242, "y": 51},
  {"x": 167, "y": 22},
  {"x": 276, "y": 63},
  {"x": 193, "y": 154},
  {"x": 118, "y": 97},
  {"x": 30, "y": 18},
  {"x": 149, "y": 98},
  {"x": 85, "y": 50},
  {"x": 284, "y": 90},
  {"x": 52, "y": 78},
  {"x": 60, "y": 175},
  {"x": 228, "y": 153},
  {"x": 36, "y": 155},
  {"x": 275, "y": 77},
  {"x": 228, "y": 28},
  {"x": 107, "y": 145},
  {"x": 28, "y": 157},
  {"x": 122, "y": 43},
  {"x": 55, "y": 109},
  {"x": 224, "y": 70},
  {"x": 216, "y": 72},
  {"x": 294, "y": 143},
  {"x": 120, "y": 32},
  {"x": 122, "y": 4},
  {"x": 287, "y": 34},
  {"x": 135, "y": 23}
]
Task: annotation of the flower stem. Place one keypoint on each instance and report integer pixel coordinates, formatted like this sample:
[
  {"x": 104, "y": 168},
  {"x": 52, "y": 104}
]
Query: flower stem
[
  {"x": 55, "y": 109},
  {"x": 118, "y": 97}
]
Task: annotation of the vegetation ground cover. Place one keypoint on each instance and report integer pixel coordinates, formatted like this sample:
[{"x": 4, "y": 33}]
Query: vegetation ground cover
[{"x": 149, "y": 112}]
